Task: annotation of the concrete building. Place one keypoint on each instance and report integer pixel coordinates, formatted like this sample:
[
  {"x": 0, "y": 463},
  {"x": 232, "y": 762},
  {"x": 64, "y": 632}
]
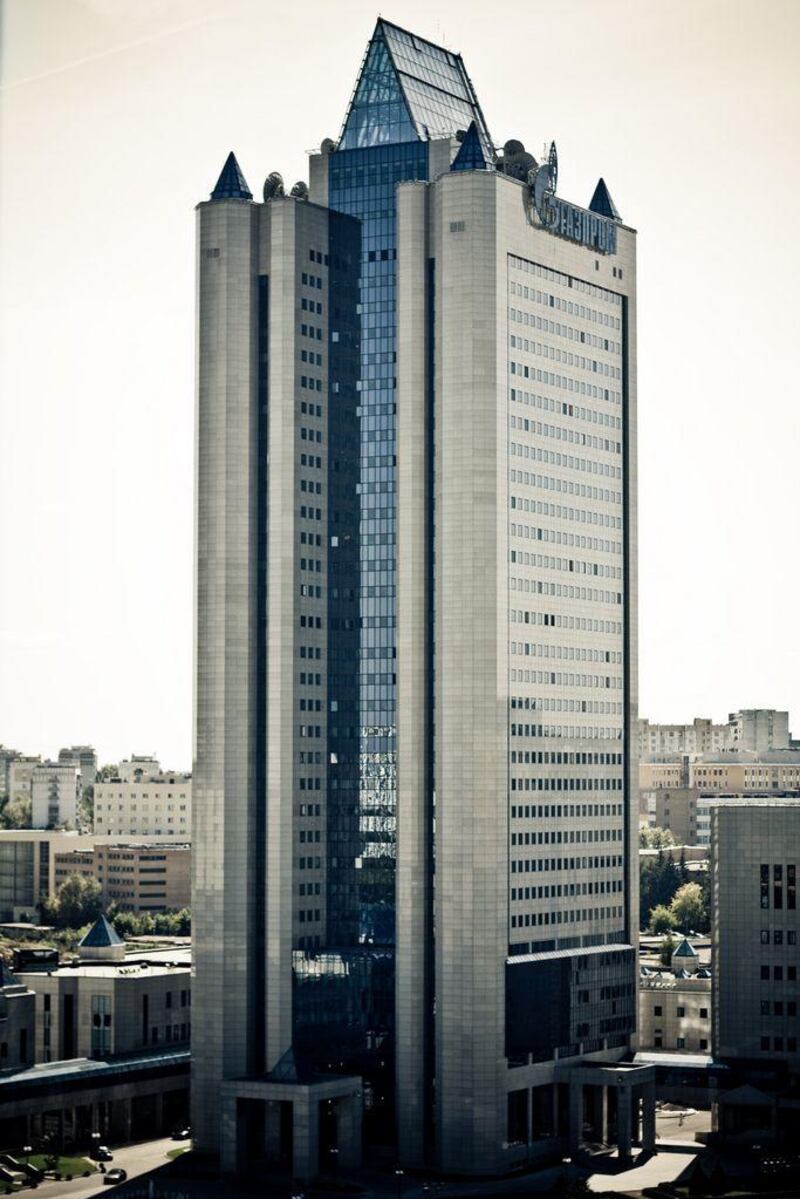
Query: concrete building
[
  {"x": 755, "y": 854},
  {"x": 139, "y": 804},
  {"x": 487, "y": 369},
  {"x": 19, "y": 776},
  {"x": 28, "y": 859},
  {"x": 55, "y": 795},
  {"x": 675, "y": 1004},
  {"x": 83, "y": 756},
  {"x": 701, "y": 736},
  {"x": 760, "y": 729},
  {"x": 140, "y": 877},
  {"x": 137, "y": 767},
  {"x": 105, "y": 1006},
  {"x": 17, "y": 1022},
  {"x": 755, "y": 729},
  {"x": 7, "y": 756}
]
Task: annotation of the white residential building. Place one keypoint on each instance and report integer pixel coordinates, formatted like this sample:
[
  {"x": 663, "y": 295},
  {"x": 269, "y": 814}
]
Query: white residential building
[{"x": 159, "y": 803}]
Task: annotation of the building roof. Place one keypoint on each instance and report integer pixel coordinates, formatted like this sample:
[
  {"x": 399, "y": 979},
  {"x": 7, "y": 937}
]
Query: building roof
[
  {"x": 410, "y": 89},
  {"x": 685, "y": 950},
  {"x": 101, "y": 935},
  {"x": 231, "y": 184}
]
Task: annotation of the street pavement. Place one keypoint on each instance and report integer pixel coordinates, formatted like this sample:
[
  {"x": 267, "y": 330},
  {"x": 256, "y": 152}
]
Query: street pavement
[{"x": 136, "y": 1159}]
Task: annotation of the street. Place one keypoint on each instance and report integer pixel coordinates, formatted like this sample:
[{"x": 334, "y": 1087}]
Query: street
[{"x": 136, "y": 1159}]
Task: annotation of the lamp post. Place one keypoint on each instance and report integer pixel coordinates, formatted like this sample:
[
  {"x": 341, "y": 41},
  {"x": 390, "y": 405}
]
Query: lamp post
[
  {"x": 399, "y": 1176},
  {"x": 334, "y": 1158},
  {"x": 27, "y": 1150}
]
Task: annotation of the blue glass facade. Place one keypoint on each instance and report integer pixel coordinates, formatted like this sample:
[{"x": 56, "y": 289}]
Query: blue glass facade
[
  {"x": 408, "y": 92},
  {"x": 362, "y": 183}
]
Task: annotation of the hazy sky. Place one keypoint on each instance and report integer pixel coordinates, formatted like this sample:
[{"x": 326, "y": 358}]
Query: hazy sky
[{"x": 116, "y": 118}]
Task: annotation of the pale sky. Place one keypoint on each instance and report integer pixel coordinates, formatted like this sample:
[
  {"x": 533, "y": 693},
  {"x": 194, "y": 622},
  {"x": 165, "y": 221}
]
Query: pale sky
[{"x": 116, "y": 118}]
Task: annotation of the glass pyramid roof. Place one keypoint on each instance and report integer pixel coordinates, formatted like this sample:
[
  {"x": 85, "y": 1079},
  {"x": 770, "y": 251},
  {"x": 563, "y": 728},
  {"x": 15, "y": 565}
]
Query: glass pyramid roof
[
  {"x": 470, "y": 156},
  {"x": 410, "y": 90}
]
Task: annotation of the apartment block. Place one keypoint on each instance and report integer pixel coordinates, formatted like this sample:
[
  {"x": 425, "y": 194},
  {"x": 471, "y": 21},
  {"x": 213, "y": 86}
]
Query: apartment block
[
  {"x": 139, "y": 804},
  {"x": 55, "y": 795}
]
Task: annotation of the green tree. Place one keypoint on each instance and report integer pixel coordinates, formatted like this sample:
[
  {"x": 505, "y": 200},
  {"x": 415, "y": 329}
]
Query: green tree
[
  {"x": 688, "y": 909},
  {"x": 661, "y": 920},
  {"x": 78, "y": 901},
  {"x": 668, "y": 947},
  {"x": 655, "y": 838},
  {"x": 17, "y": 813}
]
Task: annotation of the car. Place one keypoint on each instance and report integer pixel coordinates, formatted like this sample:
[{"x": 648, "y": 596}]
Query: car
[
  {"x": 182, "y": 1132},
  {"x": 102, "y": 1153},
  {"x": 115, "y": 1175}
]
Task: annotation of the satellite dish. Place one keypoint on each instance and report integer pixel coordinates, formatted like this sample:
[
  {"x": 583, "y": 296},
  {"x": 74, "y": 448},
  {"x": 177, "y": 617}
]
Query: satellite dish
[
  {"x": 513, "y": 147},
  {"x": 273, "y": 186},
  {"x": 300, "y": 190}
]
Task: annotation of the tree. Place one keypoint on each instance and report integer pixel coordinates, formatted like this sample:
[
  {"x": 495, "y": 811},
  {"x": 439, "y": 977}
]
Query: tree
[
  {"x": 668, "y": 947},
  {"x": 78, "y": 901},
  {"x": 661, "y": 920},
  {"x": 17, "y": 813},
  {"x": 688, "y": 909},
  {"x": 655, "y": 838}
]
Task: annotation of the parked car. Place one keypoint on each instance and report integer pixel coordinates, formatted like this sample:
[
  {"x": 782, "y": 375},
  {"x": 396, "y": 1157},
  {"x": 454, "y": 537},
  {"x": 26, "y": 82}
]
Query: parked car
[
  {"x": 115, "y": 1175},
  {"x": 102, "y": 1153},
  {"x": 182, "y": 1132}
]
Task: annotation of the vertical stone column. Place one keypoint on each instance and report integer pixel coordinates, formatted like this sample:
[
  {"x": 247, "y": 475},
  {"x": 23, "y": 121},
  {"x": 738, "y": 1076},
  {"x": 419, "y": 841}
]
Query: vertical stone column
[
  {"x": 349, "y": 1120},
  {"x": 305, "y": 1120},
  {"x": 232, "y": 1135},
  {"x": 649, "y": 1117},
  {"x": 575, "y": 1116},
  {"x": 624, "y": 1112},
  {"x": 530, "y": 1115},
  {"x": 272, "y": 1130},
  {"x": 414, "y": 832}
]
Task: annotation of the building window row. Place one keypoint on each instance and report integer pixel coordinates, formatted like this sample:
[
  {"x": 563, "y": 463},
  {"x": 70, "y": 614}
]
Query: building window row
[
  {"x": 589, "y": 466},
  {"x": 567, "y": 486}
]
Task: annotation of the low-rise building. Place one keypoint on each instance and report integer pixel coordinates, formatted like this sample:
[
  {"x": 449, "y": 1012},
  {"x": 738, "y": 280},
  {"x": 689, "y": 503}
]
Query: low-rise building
[
  {"x": 106, "y": 1006},
  {"x": 34, "y": 862},
  {"x": 139, "y": 876},
  {"x": 155, "y": 804},
  {"x": 675, "y": 1004}
]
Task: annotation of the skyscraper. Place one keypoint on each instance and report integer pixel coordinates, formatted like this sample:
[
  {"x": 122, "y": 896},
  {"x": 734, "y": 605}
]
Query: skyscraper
[{"x": 414, "y": 802}]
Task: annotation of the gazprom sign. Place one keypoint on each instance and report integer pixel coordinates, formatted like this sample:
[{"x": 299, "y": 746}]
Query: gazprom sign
[
  {"x": 577, "y": 224},
  {"x": 595, "y": 232}
]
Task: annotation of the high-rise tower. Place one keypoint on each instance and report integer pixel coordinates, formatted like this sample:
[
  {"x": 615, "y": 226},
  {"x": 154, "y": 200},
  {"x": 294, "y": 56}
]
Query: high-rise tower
[{"x": 414, "y": 796}]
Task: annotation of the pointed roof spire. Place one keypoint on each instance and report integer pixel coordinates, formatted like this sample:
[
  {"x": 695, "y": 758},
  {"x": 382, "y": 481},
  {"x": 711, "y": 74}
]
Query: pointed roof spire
[
  {"x": 685, "y": 950},
  {"x": 602, "y": 203},
  {"x": 470, "y": 155},
  {"x": 231, "y": 184},
  {"x": 101, "y": 935}
]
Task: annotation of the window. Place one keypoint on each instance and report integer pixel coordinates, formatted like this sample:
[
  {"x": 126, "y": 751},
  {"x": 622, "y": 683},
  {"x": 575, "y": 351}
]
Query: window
[
  {"x": 657, "y": 1010},
  {"x": 703, "y": 1013},
  {"x": 681, "y": 1010},
  {"x": 681, "y": 1043},
  {"x": 703, "y": 1043}
]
